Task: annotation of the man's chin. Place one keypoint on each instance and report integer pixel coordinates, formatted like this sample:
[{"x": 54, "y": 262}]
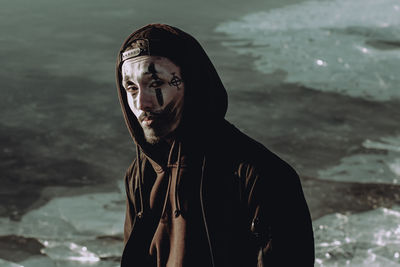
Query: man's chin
[
  {"x": 150, "y": 136},
  {"x": 153, "y": 135},
  {"x": 153, "y": 140}
]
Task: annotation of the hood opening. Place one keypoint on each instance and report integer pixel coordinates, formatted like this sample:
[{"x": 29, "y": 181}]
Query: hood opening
[{"x": 205, "y": 96}]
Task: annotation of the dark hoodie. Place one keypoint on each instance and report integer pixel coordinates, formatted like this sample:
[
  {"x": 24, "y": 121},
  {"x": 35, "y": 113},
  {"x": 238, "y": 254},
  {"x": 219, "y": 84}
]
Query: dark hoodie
[{"x": 215, "y": 197}]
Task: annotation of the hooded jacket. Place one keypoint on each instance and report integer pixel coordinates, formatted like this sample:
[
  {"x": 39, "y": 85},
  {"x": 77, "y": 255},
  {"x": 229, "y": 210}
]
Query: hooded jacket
[{"x": 239, "y": 203}]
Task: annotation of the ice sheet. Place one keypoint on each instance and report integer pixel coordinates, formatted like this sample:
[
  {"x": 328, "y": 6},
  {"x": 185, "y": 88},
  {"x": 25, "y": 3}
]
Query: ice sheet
[
  {"x": 381, "y": 164},
  {"x": 365, "y": 239},
  {"x": 75, "y": 231},
  {"x": 4, "y": 263},
  {"x": 348, "y": 47}
]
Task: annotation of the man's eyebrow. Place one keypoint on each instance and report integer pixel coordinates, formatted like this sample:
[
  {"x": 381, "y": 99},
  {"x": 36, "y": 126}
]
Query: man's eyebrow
[
  {"x": 125, "y": 80},
  {"x": 147, "y": 73}
]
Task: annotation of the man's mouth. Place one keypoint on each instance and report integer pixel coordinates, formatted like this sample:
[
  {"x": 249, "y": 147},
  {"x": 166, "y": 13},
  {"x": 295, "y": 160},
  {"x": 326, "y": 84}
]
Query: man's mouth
[{"x": 148, "y": 121}]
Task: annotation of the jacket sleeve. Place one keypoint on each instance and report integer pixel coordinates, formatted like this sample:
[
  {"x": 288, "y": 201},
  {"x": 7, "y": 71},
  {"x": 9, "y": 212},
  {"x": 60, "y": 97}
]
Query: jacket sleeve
[{"x": 280, "y": 221}]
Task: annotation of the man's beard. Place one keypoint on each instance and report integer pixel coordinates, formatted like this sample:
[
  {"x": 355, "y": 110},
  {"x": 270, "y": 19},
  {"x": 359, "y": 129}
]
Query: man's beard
[
  {"x": 161, "y": 127},
  {"x": 151, "y": 136}
]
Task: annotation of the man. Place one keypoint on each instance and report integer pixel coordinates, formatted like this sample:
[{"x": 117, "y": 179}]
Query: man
[{"x": 200, "y": 192}]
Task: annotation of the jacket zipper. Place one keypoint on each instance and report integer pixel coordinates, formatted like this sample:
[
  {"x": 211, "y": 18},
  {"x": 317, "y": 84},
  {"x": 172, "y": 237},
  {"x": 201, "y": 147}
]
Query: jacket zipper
[{"x": 204, "y": 214}]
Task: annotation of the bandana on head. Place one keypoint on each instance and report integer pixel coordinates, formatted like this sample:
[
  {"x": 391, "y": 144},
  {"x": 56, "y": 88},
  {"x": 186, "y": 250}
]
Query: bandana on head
[
  {"x": 138, "y": 47},
  {"x": 155, "y": 40}
]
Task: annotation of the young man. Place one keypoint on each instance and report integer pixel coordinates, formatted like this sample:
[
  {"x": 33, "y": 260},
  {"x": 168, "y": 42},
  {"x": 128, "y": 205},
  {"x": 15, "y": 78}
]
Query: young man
[{"x": 200, "y": 192}]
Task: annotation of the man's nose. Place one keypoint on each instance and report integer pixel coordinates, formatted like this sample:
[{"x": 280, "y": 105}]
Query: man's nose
[{"x": 145, "y": 100}]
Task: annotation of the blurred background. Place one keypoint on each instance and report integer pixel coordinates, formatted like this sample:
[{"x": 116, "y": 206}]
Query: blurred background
[{"x": 317, "y": 82}]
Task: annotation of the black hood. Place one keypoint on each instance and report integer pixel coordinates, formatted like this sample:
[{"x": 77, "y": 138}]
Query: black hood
[{"x": 205, "y": 96}]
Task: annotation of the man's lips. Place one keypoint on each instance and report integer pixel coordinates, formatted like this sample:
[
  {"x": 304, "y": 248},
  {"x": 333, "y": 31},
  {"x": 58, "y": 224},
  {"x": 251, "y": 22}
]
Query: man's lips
[{"x": 147, "y": 121}]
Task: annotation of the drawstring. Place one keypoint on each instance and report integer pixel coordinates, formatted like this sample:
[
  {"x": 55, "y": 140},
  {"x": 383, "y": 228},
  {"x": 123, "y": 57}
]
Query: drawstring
[
  {"x": 203, "y": 210},
  {"x": 163, "y": 213},
  {"x": 178, "y": 210},
  {"x": 140, "y": 213}
]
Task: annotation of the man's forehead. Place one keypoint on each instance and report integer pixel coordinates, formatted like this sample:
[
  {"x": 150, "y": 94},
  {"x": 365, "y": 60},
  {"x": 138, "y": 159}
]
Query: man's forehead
[{"x": 143, "y": 63}]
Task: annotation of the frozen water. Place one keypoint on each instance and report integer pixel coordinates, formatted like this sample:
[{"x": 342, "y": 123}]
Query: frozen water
[
  {"x": 5, "y": 263},
  {"x": 365, "y": 239},
  {"x": 386, "y": 143},
  {"x": 69, "y": 251},
  {"x": 71, "y": 217},
  {"x": 39, "y": 261},
  {"x": 75, "y": 231},
  {"x": 348, "y": 47},
  {"x": 380, "y": 165}
]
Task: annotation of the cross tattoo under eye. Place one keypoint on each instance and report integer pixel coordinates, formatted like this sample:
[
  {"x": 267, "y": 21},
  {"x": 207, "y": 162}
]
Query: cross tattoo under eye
[
  {"x": 175, "y": 81},
  {"x": 159, "y": 96}
]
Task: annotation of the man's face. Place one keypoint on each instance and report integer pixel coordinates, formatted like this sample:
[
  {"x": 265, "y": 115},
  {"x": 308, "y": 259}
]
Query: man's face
[{"x": 155, "y": 93}]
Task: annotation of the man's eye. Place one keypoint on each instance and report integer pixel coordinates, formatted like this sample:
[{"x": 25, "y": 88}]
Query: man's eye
[
  {"x": 156, "y": 84},
  {"x": 131, "y": 89}
]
